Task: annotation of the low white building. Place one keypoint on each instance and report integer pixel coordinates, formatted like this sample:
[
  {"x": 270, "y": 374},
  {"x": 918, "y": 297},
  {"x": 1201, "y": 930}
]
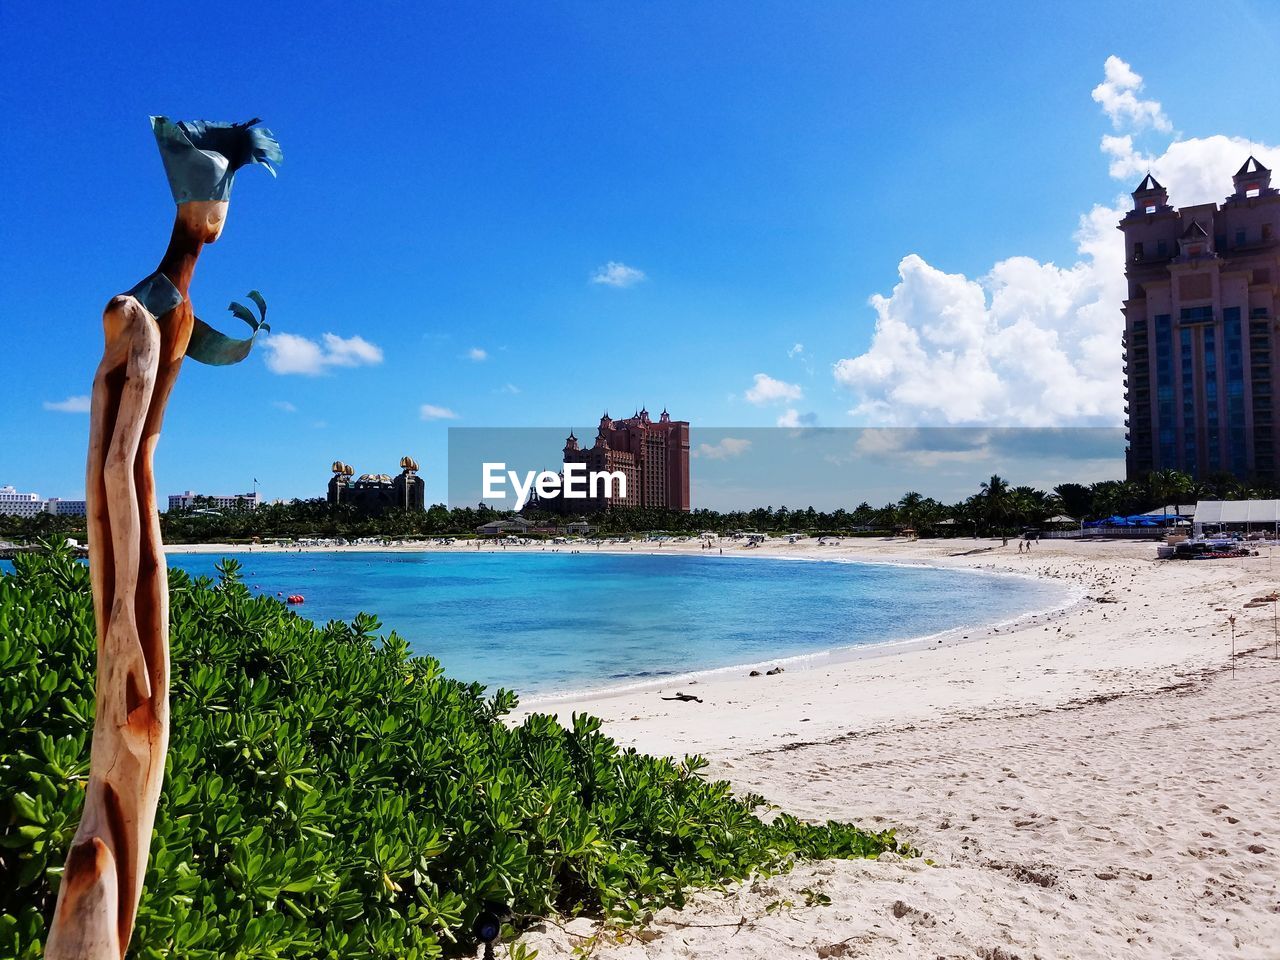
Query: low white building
[
  {"x": 66, "y": 508},
  {"x": 17, "y": 504},
  {"x": 187, "y": 500}
]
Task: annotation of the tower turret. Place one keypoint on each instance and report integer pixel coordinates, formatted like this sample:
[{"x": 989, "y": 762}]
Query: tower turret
[
  {"x": 1150, "y": 197},
  {"x": 1252, "y": 179}
]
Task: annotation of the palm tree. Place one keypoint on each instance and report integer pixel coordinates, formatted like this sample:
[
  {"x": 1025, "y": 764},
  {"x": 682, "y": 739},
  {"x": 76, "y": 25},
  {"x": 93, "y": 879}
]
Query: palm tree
[
  {"x": 909, "y": 508},
  {"x": 1075, "y": 499},
  {"x": 995, "y": 499},
  {"x": 1170, "y": 486}
]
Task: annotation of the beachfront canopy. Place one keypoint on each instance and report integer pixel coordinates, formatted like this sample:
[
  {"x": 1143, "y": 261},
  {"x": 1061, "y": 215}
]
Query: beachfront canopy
[
  {"x": 1137, "y": 520},
  {"x": 1061, "y": 518},
  {"x": 1238, "y": 512}
]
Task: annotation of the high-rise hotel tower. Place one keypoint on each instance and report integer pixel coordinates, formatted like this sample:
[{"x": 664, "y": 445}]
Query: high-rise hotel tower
[
  {"x": 1201, "y": 347},
  {"x": 653, "y": 455}
]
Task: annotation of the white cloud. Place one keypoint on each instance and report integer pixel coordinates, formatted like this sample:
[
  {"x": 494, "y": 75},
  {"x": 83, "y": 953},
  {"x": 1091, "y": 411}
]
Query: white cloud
[
  {"x": 510, "y": 388},
  {"x": 69, "y": 405},
  {"x": 1195, "y": 170},
  {"x": 429, "y": 411},
  {"x": 767, "y": 390},
  {"x": 1030, "y": 343},
  {"x": 1118, "y": 94},
  {"x": 725, "y": 449},
  {"x": 615, "y": 274},
  {"x": 794, "y": 418},
  {"x": 290, "y": 353},
  {"x": 284, "y": 405},
  {"x": 796, "y": 350},
  {"x": 477, "y": 354}
]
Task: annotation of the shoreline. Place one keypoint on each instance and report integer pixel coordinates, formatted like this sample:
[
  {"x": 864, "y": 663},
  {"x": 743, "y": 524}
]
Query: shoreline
[
  {"x": 827, "y": 656},
  {"x": 830, "y": 656}
]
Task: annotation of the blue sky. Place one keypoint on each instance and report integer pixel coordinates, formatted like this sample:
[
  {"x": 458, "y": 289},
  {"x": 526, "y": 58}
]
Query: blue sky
[{"x": 455, "y": 177}]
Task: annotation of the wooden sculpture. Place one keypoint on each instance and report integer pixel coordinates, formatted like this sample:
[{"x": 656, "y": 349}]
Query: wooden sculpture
[{"x": 148, "y": 332}]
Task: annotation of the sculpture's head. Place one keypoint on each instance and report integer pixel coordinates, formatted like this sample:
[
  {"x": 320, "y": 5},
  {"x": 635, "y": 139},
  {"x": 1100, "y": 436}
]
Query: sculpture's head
[{"x": 201, "y": 160}]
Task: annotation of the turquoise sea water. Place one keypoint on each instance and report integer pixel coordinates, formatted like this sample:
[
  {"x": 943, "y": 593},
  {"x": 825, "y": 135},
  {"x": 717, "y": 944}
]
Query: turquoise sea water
[{"x": 545, "y": 623}]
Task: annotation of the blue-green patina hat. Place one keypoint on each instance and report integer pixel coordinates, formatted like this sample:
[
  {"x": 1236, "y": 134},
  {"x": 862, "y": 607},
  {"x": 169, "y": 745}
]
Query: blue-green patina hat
[{"x": 201, "y": 158}]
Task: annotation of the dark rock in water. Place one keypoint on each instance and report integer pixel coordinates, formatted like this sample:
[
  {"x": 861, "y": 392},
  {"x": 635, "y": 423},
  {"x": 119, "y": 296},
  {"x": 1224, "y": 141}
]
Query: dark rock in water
[
  {"x": 774, "y": 671},
  {"x": 754, "y": 673}
]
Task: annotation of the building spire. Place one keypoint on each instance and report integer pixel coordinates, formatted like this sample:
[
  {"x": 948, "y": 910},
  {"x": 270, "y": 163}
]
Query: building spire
[
  {"x": 1252, "y": 179},
  {"x": 1148, "y": 183}
]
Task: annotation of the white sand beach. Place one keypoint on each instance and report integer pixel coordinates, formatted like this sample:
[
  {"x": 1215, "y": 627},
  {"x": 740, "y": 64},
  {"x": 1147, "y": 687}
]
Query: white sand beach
[{"x": 1094, "y": 784}]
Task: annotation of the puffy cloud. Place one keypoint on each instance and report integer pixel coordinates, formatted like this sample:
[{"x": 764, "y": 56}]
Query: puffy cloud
[
  {"x": 477, "y": 354},
  {"x": 69, "y": 405},
  {"x": 1118, "y": 94},
  {"x": 615, "y": 274},
  {"x": 725, "y": 449},
  {"x": 1195, "y": 170},
  {"x": 794, "y": 418},
  {"x": 1031, "y": 343},
  {"x": 796, "y": 350},
  {"x": 767, "y": 390},
  {"x": 429, "y": 411},
  {"x": 289, "y": 353}
]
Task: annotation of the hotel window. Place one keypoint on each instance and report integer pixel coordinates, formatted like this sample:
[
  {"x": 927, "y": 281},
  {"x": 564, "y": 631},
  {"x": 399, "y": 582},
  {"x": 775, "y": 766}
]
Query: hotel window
[
  {"x": 1240, "y": 238},
  {"x": 1213, "y": 433},
  {"x": 1266, "y": 231},
  {"x": 1189, "y": 459},
  {"x": 1165, "y": 404},
  {"x": 1233, "y": 341},
  {"x": 1137, "y": 251},
  {"x": 1162, "y": 248},
  {"x": 1197, "y": 314}
]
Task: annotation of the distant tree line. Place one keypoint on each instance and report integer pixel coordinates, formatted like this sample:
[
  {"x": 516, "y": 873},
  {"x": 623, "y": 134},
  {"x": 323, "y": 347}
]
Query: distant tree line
[{"x": 995, "y": 508}]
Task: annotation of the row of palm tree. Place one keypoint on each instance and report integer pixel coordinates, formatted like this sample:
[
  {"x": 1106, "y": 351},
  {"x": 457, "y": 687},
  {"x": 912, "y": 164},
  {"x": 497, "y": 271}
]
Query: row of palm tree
[{"x": 996, "y": 507}]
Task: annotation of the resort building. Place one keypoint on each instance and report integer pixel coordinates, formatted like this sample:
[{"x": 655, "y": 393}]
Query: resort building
[
  {"x": 653, "y": 455},
  {"x": 1200, "y": 341},
  {"x": 17, "y": 504},
  {"x": 378, "y": 492},
  {"x": 497, "y": 528},
  {"x": 66, "y": 508},
  {"x": 190, "y": 500}
]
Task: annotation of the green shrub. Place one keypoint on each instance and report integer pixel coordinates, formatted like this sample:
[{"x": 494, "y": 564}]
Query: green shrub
[{"x": 330, "y": 795}]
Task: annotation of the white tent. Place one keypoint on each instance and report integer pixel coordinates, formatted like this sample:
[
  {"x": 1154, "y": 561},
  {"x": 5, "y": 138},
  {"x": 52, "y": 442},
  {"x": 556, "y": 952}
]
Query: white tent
[{"x": 1238, "y": 514}]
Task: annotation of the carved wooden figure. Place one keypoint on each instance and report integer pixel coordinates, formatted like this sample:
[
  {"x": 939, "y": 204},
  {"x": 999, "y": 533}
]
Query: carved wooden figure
[{"x": 149, "y": 331}]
